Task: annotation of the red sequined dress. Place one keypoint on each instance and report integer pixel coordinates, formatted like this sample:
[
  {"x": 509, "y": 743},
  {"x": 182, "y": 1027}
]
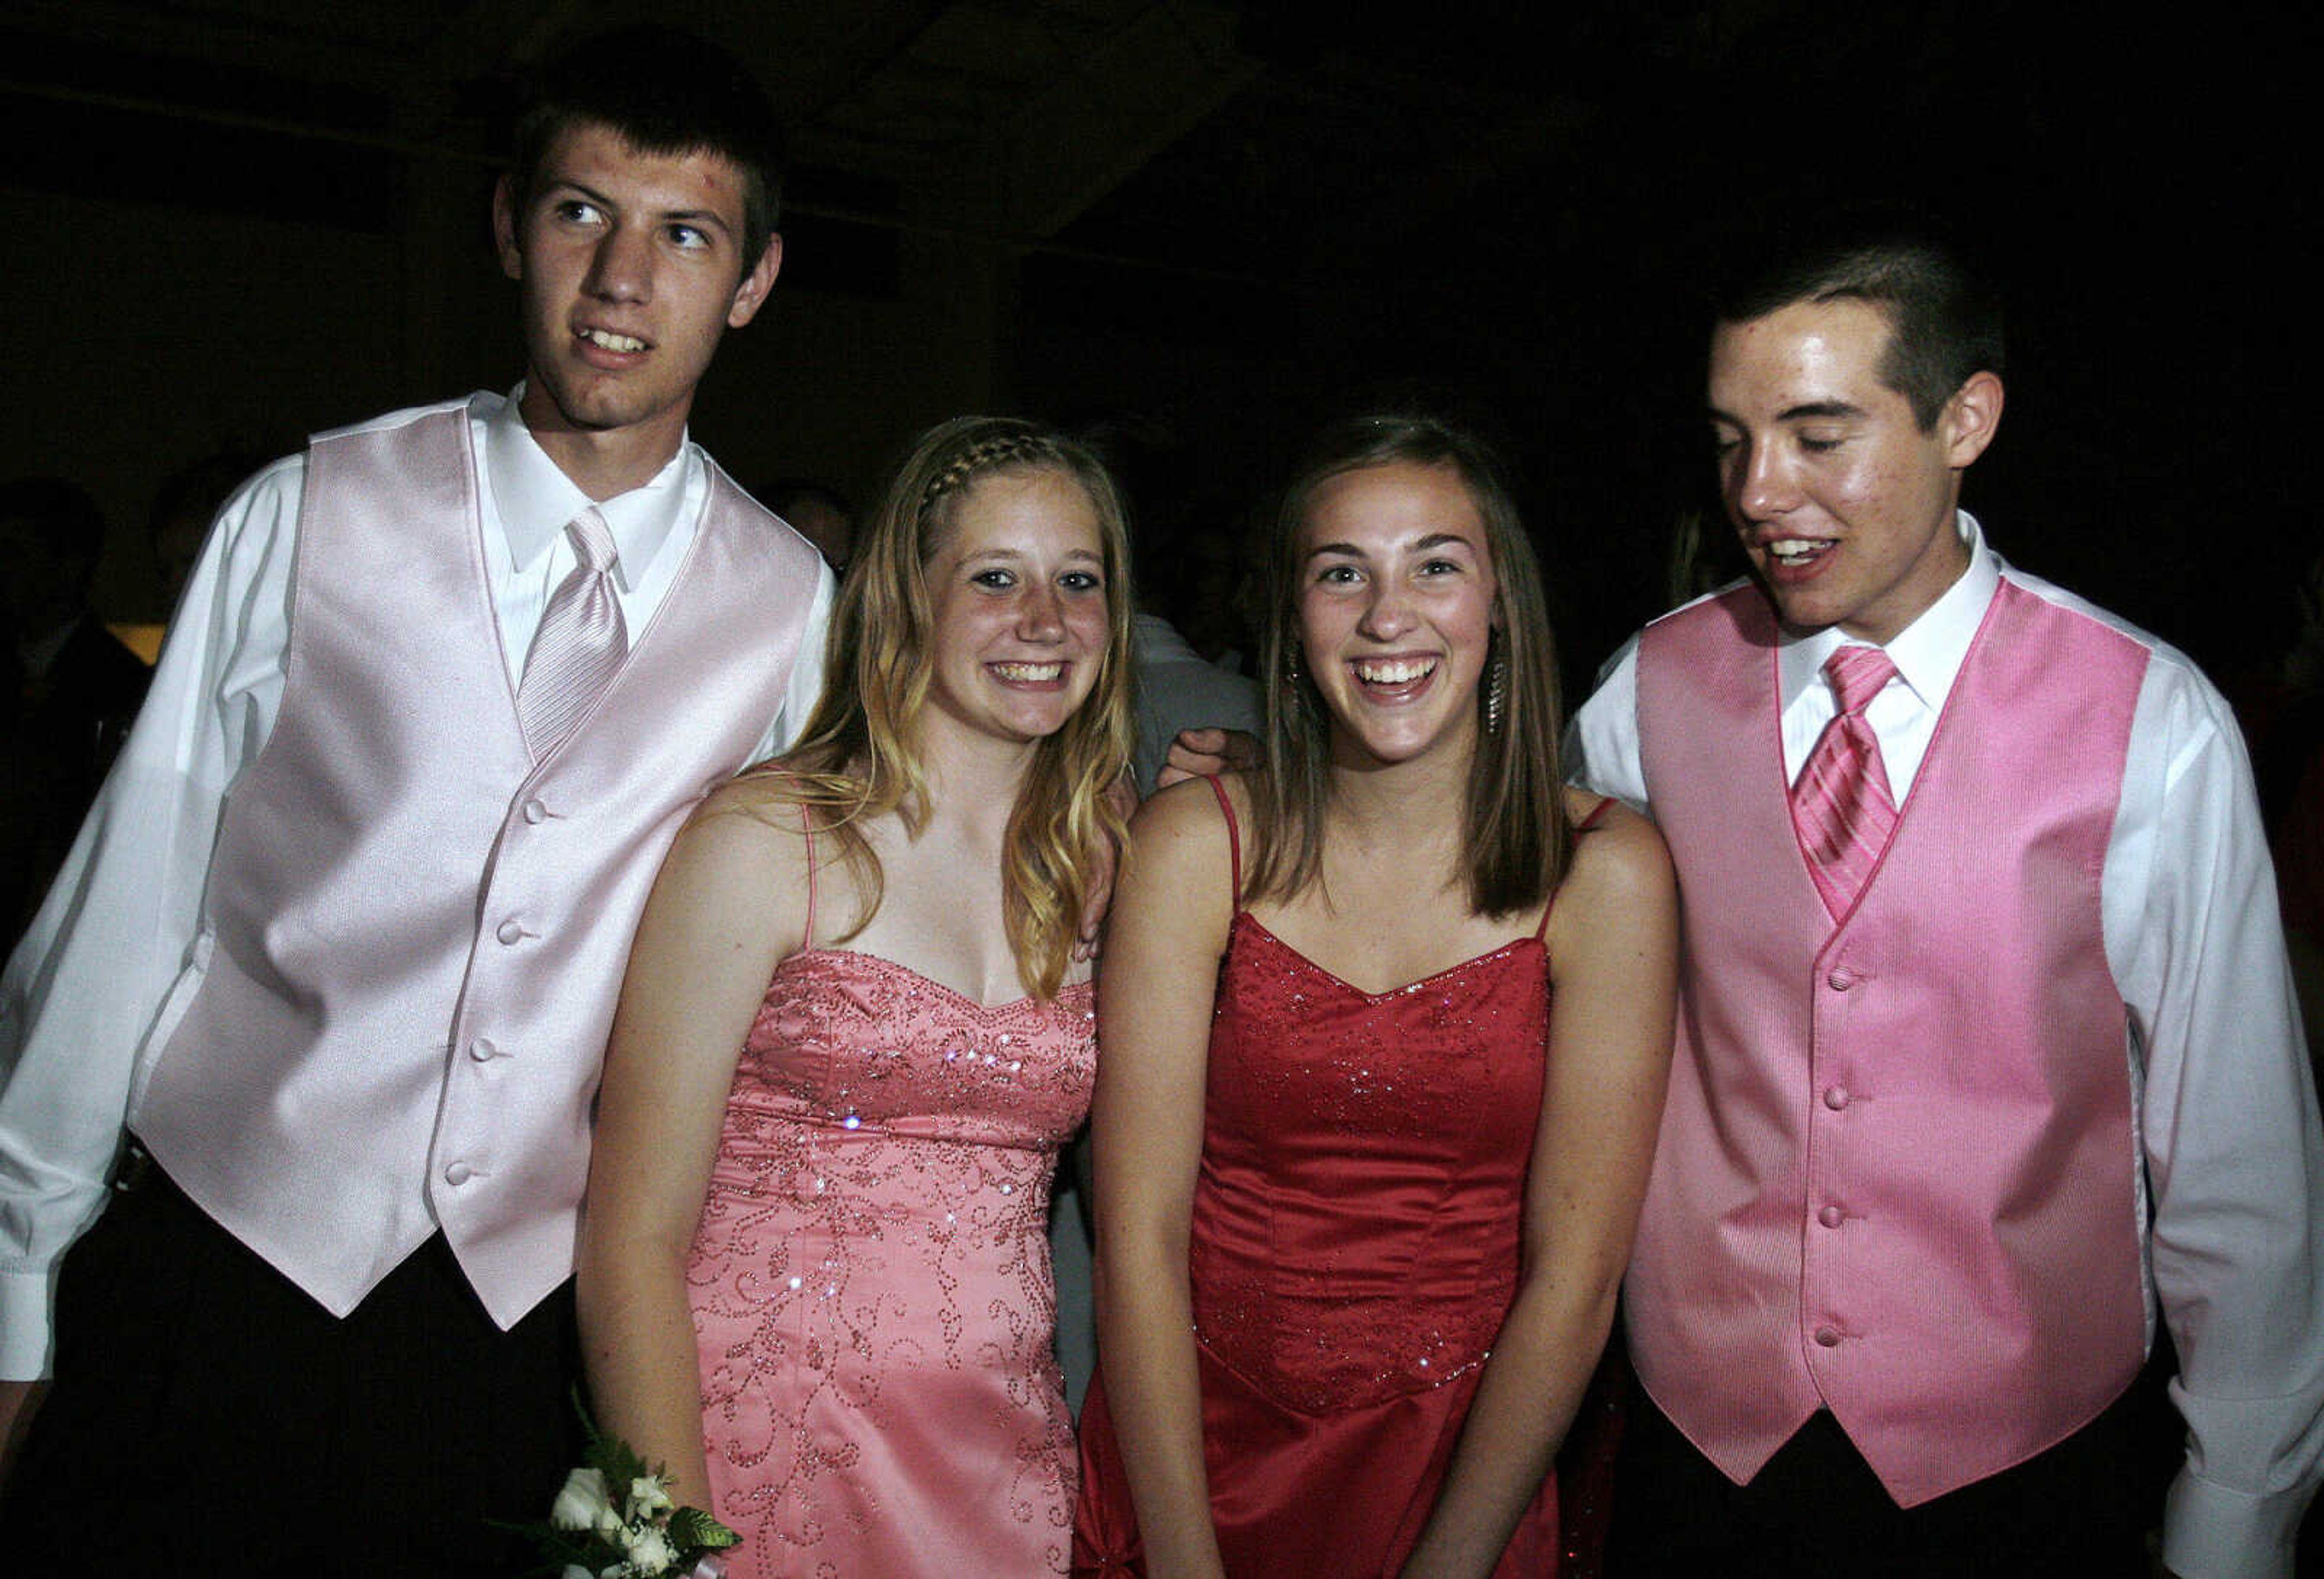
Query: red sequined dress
[
  {"x": 1354, "y": 1249},
  {"x": 871, "y": 1283}
]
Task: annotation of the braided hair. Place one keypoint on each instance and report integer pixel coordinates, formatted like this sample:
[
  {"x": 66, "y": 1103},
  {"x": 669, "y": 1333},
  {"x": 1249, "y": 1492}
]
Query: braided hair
[{"x": 858, "y": 757}]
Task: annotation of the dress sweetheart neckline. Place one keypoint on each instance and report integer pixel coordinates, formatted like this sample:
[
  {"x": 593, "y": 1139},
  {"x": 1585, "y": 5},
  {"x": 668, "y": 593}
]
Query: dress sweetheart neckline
[
  {"x": 946, "y": 988},
  {"x": 1242, "y": 918}
]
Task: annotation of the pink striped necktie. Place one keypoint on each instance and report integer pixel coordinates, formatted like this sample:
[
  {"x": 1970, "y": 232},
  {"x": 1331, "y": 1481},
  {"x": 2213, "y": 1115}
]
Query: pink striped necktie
[
  {"x": 580, "y": 644},
  {"x": 1841, "y": 805}
]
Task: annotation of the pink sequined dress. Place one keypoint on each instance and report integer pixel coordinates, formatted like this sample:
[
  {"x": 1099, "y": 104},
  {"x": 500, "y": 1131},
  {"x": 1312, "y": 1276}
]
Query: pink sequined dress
[
  {"x": 1354, "y": 1249},
  {"x": 871, "y": 1281}
]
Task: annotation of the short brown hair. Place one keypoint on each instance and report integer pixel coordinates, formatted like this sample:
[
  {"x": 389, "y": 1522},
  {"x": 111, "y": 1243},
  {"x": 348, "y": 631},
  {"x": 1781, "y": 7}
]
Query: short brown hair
[{"x": 666, "y": 92}]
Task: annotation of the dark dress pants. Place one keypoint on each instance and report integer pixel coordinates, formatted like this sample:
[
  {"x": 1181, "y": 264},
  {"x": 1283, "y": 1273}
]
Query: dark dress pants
[
  {"x": 208, "y": 1417},
  {"x": 1815, "y": 1510}
]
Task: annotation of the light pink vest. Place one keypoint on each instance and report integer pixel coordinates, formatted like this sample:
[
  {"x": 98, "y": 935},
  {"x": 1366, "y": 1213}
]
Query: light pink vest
[
  {"x": 1897, "y": 1176},
  {"x": 413, "y": 933}
]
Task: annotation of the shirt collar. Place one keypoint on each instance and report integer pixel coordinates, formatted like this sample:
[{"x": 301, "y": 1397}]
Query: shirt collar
[
  {"x": 535, "y": 500},
  {"x": 1928, "y": 653}
]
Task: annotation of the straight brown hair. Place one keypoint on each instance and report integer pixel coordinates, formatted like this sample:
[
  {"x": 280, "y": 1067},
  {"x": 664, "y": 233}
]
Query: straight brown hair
[{"x": 1514, "y": 823}]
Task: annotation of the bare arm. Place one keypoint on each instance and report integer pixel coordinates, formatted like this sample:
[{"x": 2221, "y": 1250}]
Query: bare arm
[
  {"x": 1613, "y": 943},
  {"x": 1171, "y": 913},
  {"x": 728, "y": 906}
]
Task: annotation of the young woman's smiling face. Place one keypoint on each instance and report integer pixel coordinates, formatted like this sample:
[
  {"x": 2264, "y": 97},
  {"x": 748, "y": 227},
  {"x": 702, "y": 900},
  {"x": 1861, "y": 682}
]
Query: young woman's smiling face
[
  {"x": 1396, "y": 605},
  {"x": 1018, "y": 599}
]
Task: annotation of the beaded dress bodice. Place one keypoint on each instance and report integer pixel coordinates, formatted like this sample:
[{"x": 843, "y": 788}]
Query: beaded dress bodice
[
  {"x": 870, "y": 1281},
  {"x": 1408, "y": 1101}
]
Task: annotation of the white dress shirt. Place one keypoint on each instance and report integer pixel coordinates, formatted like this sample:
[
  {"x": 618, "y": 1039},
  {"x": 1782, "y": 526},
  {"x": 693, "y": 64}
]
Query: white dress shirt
[
  {"x": 1179, "y": 689},
  {"x": 2227, "y": 1113},
  {"x": 81, "y": 997}
]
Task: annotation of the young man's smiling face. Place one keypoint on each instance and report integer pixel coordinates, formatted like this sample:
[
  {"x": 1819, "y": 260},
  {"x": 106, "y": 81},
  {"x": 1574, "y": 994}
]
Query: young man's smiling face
[
  {"x": 631, "y": 267},
  {"x": 1845, "y": 504}
]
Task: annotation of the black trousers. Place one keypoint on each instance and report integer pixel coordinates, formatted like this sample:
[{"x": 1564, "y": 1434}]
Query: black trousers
[
  {"x": 1815, "y": 1510},
  {"x": 208, "y": 1417}
]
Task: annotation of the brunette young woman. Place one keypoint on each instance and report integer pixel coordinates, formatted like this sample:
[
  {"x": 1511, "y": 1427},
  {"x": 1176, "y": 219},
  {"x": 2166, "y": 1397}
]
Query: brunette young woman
[
  {"x": 813, "y": 1275},
  {"x": 1387, "y": 1024}
]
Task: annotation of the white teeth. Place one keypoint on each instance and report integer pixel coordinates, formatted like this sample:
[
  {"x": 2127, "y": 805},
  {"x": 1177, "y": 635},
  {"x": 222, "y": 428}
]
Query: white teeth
[
  {"x": 1032, "y": 673},
  {"x": 1396, "y": 672},
  {"x": 612, "y": 342},
  {"x": 1791, "y": 550}
]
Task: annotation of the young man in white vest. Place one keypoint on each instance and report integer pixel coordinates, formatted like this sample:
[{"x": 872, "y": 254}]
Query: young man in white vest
[
  {"x": 1987, "y": 1043},
  {"x": 333, "y": 962}
]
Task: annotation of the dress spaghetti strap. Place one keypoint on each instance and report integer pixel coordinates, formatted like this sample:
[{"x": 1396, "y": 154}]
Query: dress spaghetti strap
[
  {"x": 1234, "y": 836},
  {"x": 1584, "y": 826}
]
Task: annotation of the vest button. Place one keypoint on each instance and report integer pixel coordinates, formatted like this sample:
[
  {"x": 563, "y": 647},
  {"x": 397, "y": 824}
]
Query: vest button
[
  {"x": 535, "y": 812},
  {"x": 509, "y": 932},
  {"x": 458, "y": 1174},
  {"x": 1826, "y": 1337},
  {"x": 1839, "y": 981},
  {"x": 1831, "y": 1216},
  {"x": 483, "y": 1050},
  {"x": 1835, "y": 1097}
]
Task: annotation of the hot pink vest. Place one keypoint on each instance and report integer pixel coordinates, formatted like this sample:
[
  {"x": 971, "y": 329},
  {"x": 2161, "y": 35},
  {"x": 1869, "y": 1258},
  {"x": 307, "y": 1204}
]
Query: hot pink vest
[
  {"x": 413, "y": 933},
  {"x": 1897, "y": 1176}
]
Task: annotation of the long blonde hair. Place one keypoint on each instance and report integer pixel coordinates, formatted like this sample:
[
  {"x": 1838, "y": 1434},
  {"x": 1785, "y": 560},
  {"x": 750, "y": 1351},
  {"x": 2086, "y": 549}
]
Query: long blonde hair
[{"x": 856, "y": 761}]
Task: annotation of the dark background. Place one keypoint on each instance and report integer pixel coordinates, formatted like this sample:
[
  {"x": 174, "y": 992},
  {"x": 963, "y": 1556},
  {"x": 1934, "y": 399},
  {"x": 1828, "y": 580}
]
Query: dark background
[{"x": 232, "y": 223}]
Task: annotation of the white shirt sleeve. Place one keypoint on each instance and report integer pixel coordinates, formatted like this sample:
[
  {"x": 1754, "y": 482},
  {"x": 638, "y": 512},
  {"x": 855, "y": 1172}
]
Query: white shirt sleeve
[
  {"x": 1602, "y": 741},
  {"x": 80, "y": 997},
  {"x": 87, "y": 996},
  {"x": 2234, "y": 1152},
  {"x": 806, "y": 674}
]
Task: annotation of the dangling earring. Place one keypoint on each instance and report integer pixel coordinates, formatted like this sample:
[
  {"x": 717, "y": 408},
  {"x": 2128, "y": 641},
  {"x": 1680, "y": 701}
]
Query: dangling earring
[
  {"x": 1497, "y": 686},
  {"x": 1292, "y": 673}
]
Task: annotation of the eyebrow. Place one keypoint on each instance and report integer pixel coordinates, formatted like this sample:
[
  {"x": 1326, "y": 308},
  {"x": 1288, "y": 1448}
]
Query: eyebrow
[
  {"x": 558, "y": 183},
  {"x": 1435, "y": 540},
  {"x": 703, "y": 217},
  {"x": 983, "y": 554},
  {"x": 1805, "y": 411}
]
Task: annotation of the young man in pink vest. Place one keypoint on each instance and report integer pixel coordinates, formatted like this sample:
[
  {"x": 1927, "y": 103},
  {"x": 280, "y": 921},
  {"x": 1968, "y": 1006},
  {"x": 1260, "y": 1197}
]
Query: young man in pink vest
[
  {"x": 338, "y": 947},
  {"x": 1987, "y": 1043}
]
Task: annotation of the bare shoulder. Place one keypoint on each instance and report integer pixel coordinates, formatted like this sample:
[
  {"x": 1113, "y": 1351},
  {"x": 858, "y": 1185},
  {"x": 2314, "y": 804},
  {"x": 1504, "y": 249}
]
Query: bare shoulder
[
  {"x": 751, "y": 808},
  {"x": 1179, "y": 875},
  {"x": 1184, "y": 821},
  {"x": 743, "y": 835},
  {"x": 1620, "y": 869}
]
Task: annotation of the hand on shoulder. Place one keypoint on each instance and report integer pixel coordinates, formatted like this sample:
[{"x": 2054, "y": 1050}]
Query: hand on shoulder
[{"x": 1198, "y": 752}]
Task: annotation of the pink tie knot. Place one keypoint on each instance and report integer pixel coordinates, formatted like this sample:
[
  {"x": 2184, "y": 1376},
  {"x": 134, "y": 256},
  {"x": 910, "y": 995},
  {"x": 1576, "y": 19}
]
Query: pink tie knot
[
  {"x": 592, "y": 542},
  {"x": 1857, "y": 674},
  {"x": 580, "y": 643}
]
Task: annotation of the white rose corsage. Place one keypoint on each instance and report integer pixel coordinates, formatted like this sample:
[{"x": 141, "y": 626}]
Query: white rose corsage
[{"x": 614, "y": 1520}]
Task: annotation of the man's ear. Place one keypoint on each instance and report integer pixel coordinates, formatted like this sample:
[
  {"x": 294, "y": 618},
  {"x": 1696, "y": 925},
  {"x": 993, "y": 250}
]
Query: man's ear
[
  {"x": 504, "y": 229},
  {"x": 1971, "y": 418},
  {"x": 757, "y": 281}
]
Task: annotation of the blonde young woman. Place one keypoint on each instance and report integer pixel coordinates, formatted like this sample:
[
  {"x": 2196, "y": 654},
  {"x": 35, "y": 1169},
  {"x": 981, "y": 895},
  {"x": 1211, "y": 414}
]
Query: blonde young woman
[
  {"x": 855, "y": 1029},
  {"x": 1386, "y": 1025}
]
